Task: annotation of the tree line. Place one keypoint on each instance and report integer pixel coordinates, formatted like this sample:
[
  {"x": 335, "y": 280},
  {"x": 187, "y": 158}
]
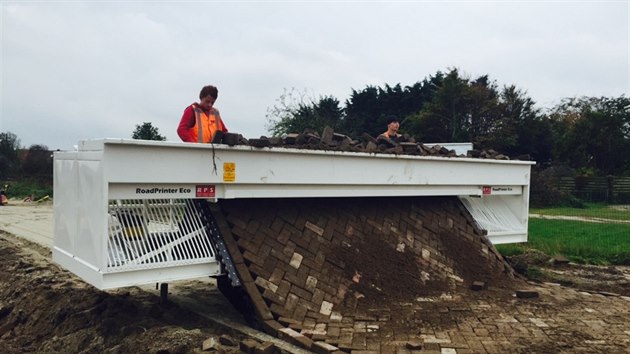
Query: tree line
[
  {"x": 588, "y": 134},
  {"x": 37, "y": 160}
]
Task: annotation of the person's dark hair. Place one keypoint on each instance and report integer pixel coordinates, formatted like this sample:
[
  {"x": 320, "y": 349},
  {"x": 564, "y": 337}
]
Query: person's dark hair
[
  {"x": 209, "y": 91},
  {"x": 391, "y": 119}
]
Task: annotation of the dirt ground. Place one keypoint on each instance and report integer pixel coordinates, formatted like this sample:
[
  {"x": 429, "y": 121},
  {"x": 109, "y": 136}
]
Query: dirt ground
[
  {"x": 45, "y": 309},
  {"x": 591, "y": 278}
]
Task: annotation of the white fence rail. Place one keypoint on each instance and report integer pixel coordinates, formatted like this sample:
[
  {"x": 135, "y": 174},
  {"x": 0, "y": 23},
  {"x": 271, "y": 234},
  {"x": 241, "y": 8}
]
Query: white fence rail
[{"x": 156, "y": 232}]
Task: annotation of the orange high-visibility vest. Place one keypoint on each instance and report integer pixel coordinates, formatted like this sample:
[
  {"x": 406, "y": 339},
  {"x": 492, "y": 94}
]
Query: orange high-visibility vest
[{"x": 205, "y": 125}]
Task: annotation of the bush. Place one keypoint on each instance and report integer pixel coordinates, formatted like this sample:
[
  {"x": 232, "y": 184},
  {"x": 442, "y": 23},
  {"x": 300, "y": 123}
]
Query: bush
[{"x": 545, "y": 191}]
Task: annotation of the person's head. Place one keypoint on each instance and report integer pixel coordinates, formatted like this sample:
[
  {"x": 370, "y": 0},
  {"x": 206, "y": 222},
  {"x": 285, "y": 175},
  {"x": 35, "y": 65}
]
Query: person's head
[
  {"x": 393, "y": 124},
  {"x": 208, "y": 96}
]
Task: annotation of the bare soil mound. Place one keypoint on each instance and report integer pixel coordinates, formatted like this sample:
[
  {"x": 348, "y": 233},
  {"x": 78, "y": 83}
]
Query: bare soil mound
[{"x": 44, "y": 309}]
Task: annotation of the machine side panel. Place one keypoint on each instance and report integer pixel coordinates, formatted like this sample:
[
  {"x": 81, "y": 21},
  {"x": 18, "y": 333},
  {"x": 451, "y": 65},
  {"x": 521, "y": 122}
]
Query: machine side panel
[
  {"x": 66, "y": 206},
  {"x": 91, "y": 221}
]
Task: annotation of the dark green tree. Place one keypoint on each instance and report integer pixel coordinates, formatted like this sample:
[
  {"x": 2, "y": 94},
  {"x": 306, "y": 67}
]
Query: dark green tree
[
  {"x": 445, "y": 107},
  {"x": 367, "y": 110},
  {"x": 475, "y": 110},
  {"x": 147, "y": 131},
  {"x": 294, "y": 113},
  {"x": 363, "y": 112},
  {"x": 448, "y": 116},
  {"x": 593, "y": 134},
  {"x": 38, "y": 162},
  {"x": 521, "y": 129},
  {"x": 9, "y": 161}
]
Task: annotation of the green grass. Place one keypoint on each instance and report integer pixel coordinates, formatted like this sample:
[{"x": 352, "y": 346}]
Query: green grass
[
  {"x": 19, "y": 189},
  {"x": 579, "y": 241},
  {"x": 597, "y": 210}
]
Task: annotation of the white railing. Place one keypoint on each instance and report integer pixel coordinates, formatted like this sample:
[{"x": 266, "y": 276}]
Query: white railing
[{"x": 156, "y": 232}]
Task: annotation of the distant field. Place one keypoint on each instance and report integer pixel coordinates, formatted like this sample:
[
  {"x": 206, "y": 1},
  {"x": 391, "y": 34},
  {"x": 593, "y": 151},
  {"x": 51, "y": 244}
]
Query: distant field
[
  {"x": 596, "y": 210},
  {"x": 580, "y": 241}
]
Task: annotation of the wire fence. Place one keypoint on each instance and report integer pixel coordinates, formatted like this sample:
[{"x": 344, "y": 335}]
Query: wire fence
[
  {"x": 596, "y": 232},
  {"x": 608, "y": 189}
]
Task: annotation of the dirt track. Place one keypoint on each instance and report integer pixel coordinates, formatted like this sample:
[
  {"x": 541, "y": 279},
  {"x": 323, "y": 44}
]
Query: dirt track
[{"x": 45, "y": 309}]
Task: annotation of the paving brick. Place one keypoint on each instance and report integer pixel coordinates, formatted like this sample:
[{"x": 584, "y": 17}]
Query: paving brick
[
  {"x": 248, "y": 345},
  {"x": 279, "y": 310},
  {"x": 265, "y": 348},
  {"x": 300, "y": 292},
  {"x": 289, "y": 248},
  {"x": 253, "y": 258},
  {"x": 240, "y": 233},
  {"x": 294, "y": 337},
  {"x": 318, "y": 296},
  {"x": 323, "y": 347},
  {"x": 316, "y": 229},
  {"x": 266, "y": 284},
  {"x": 300, "y": 312},
  {"x": 302, "y": 240},
  {"x": 276, "y": 275},
  {"x": 317, "y": 316},
  {"x": 280, "y": 255},
  {"x": 243, "y": 272},
  {"x": 273, "y": 297},
  {"x": 296, "y": 260},
  {"x": 283, "y": 236},
  {"x": 283, "y": 288},
  {"x": 258, "y": 271},
  {"x": 272, "y": 327},
  {"x": 259, "y": 304},
  {"x": 270, "y": 264}
]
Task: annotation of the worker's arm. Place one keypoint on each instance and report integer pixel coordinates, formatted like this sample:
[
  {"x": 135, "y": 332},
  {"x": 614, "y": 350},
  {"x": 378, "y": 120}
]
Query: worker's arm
[{"x": 185, "y": 124}]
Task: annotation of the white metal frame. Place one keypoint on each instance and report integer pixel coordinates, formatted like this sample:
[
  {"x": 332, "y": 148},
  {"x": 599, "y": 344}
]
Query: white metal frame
[
  {"x": 156, "y": 233},
  {"x": 105, "y": 170}
]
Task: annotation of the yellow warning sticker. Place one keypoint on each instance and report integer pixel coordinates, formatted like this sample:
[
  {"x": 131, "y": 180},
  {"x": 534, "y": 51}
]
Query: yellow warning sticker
[{"x": 229, "y": 172}]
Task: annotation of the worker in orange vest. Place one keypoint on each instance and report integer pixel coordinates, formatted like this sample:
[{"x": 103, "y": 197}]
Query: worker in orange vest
[{"x": 201, "y": 121}]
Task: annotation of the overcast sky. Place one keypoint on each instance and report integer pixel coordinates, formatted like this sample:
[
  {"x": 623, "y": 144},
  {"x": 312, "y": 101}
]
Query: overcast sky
[{"x": 75, "y": 70}]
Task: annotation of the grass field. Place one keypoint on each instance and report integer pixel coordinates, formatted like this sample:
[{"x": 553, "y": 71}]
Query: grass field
[
  {"x": 579, "y": 241},
  {"x": 593, "y": 210},
  {"x": 19, "y": 189}
]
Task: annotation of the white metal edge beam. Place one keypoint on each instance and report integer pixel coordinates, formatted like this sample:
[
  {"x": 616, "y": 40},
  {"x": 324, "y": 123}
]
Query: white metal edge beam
[
  {"x": 133, "y": 164},
  {"x": 101, "y": 281}
]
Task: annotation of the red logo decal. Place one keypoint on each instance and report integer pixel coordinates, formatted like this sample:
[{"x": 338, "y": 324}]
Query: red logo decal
[
  {"x": 204, "y": 191},
  {"x": 486, "y": 190}
]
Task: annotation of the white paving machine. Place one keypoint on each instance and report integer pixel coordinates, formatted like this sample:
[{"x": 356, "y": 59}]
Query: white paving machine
[{"x": 131, "y": 212}]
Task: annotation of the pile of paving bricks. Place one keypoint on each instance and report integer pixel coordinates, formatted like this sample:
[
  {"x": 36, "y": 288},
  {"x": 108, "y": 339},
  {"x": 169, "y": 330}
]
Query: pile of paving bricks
[
  {"x": 332, "y": 141},
  {"x": 330, "y": 274}
]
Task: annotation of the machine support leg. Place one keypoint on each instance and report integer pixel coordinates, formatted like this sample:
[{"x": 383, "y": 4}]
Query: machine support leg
[{"x": 164, "y": 293}]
